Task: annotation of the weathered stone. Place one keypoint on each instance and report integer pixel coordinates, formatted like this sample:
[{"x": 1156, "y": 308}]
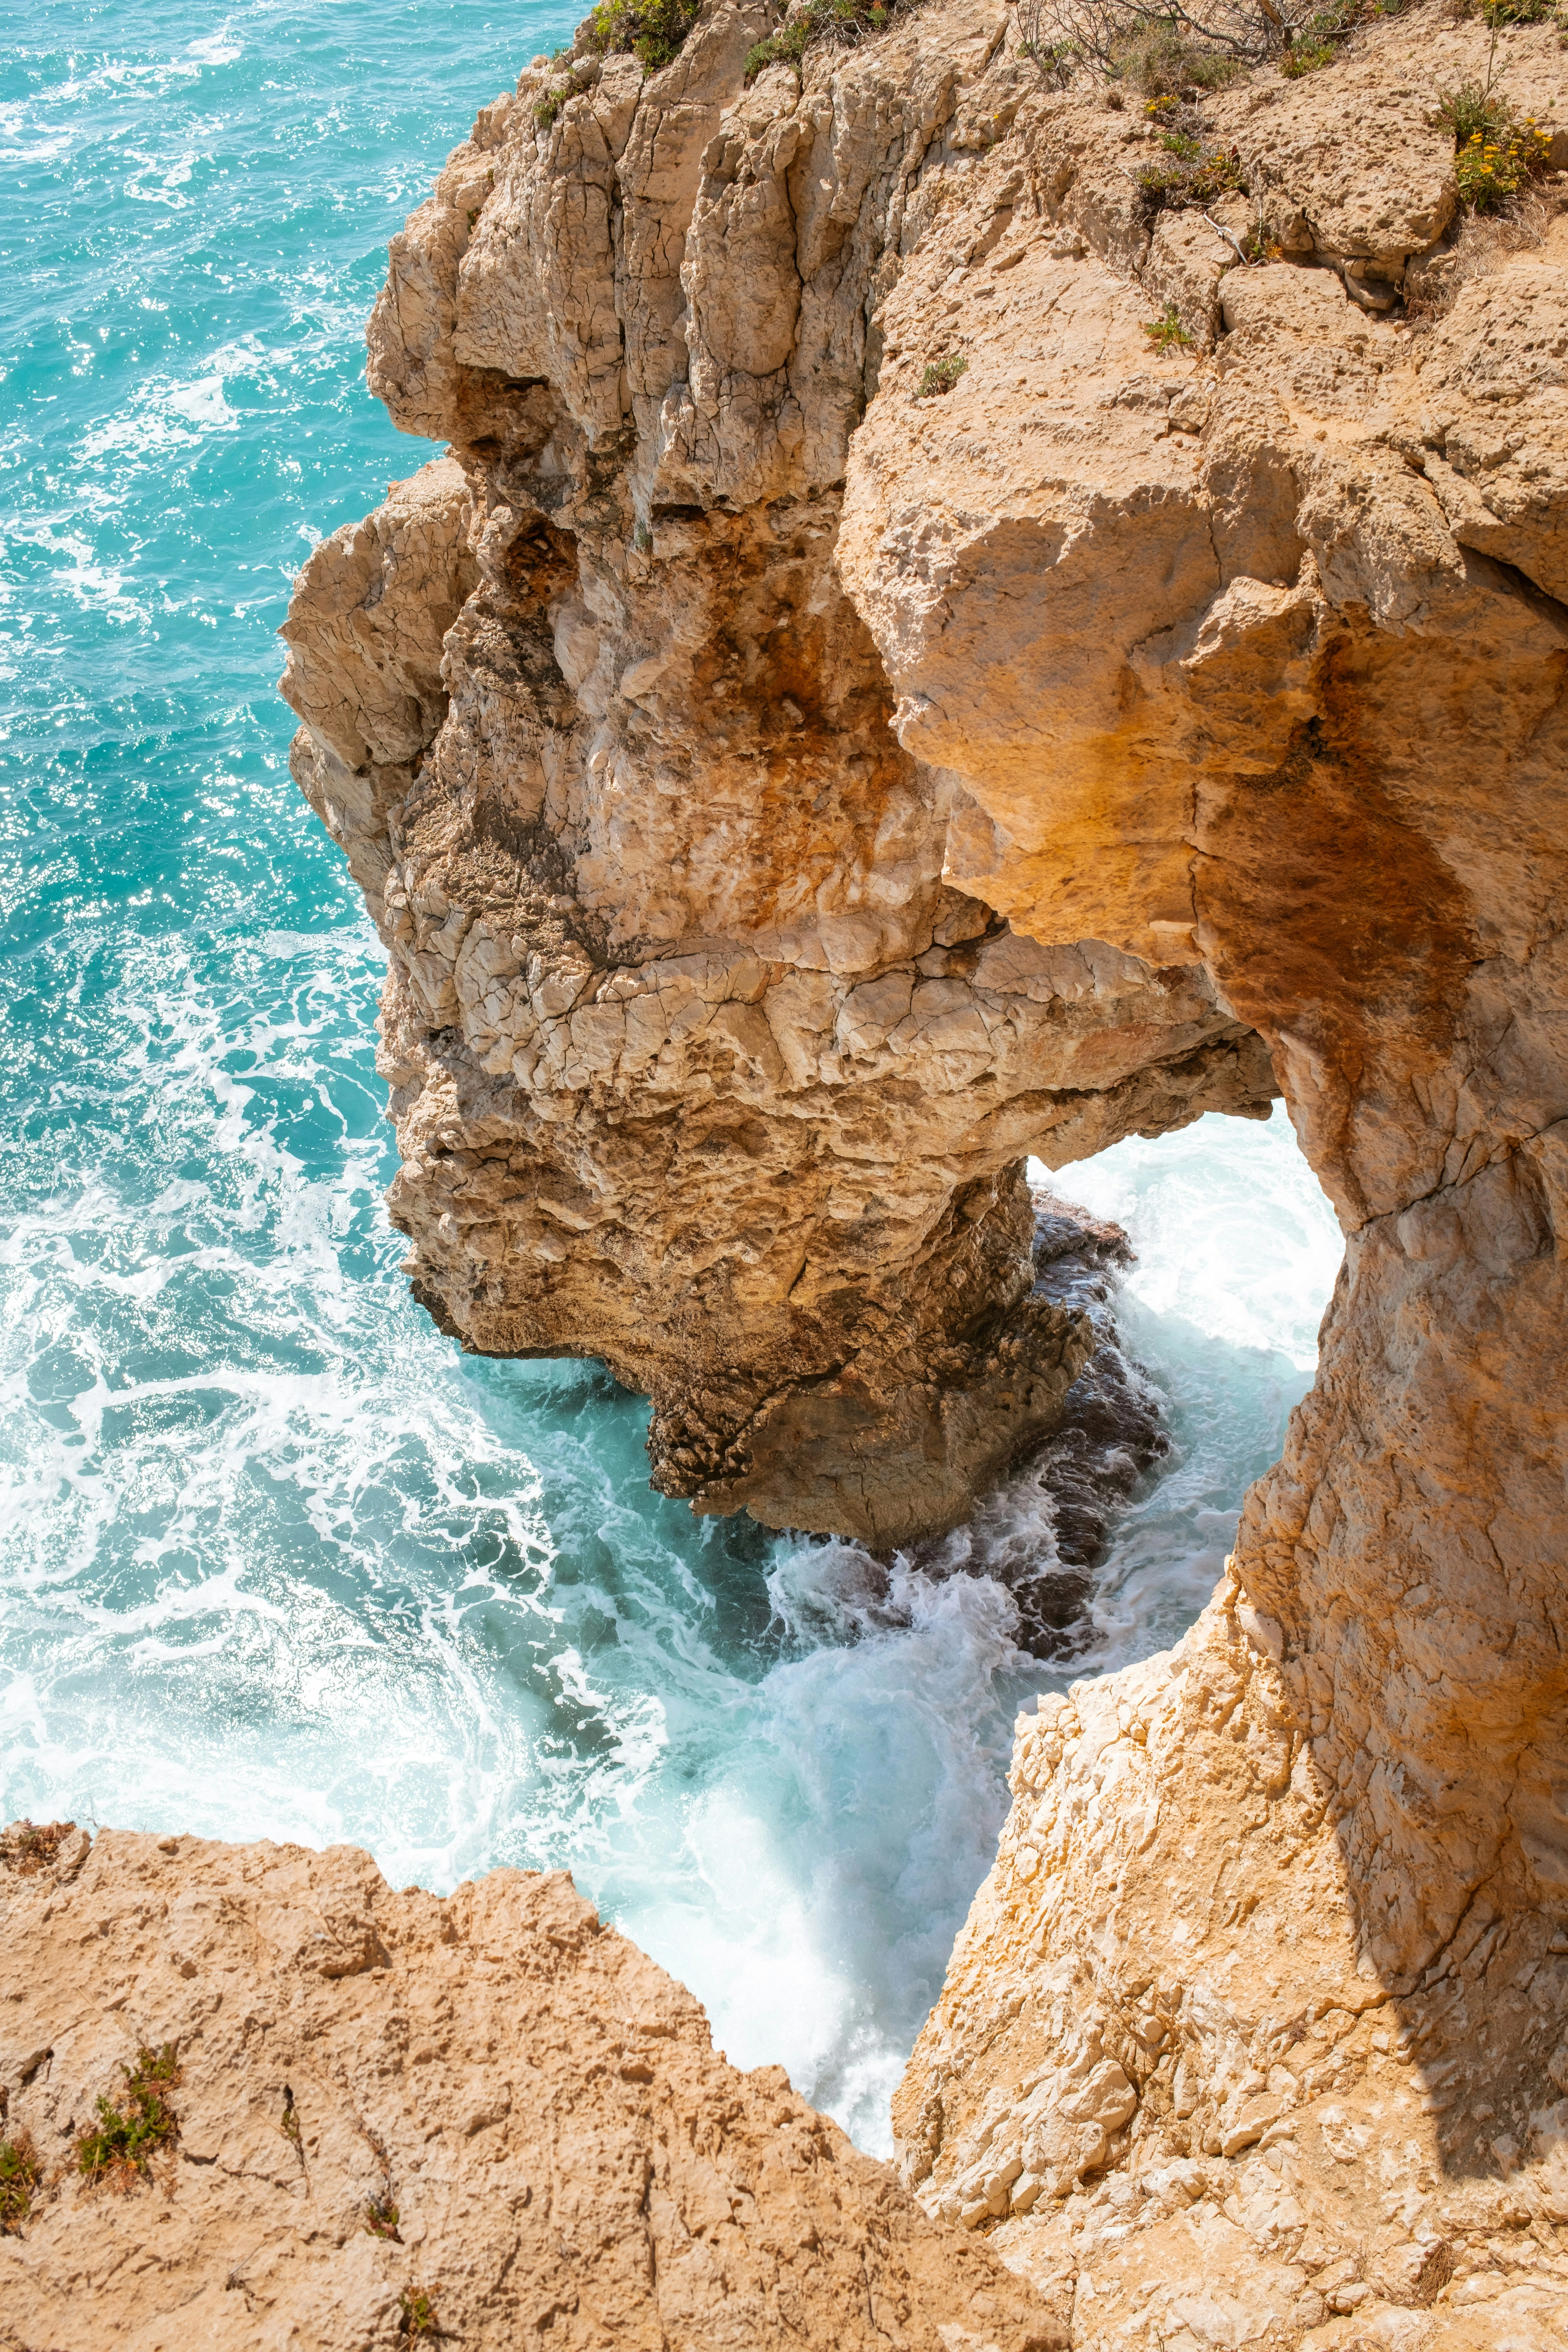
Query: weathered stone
[
  {"x": 861, "y": 771},
  {"x": 492, "y": 2102}
]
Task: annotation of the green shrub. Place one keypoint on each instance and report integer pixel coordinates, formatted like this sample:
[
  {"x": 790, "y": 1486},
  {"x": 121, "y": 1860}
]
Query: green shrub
[
  {"x": 1056, "y": 62},
  {"x": 130, "y": 2128},
  {"x": 835, "y": 24},
  {"x": 418, "y": 2313},
  {"x": 1165, "y": 57},
  {"x": 20, "y": 2172},
  {"x": 1316, "y": 41},
  {"x": 941, "y": 376},
  {"x": 1192, "y": 172},
  {"x": 787, "y": 48},
  {"x": 380, "y": 2219},
  {"x": 1490, "y": 171},
  {"x": 650, "y": 30},
  {"x": 1473, "y": 111},
  {"x": 1495, "y": 154},
  {"x": 1166, "y": 332}
]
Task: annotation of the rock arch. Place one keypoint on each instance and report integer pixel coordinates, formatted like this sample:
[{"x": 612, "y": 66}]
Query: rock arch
[{"x": 790, "y": 796}]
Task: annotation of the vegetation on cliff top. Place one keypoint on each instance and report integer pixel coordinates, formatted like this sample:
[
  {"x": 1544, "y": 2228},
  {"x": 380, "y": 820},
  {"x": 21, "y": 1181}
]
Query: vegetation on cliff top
[
  {"x": 1164, "y": 45},
  {"x": 649, "y": 30},
  {"x": 28, "y": 1846},
  {"x": 130, "y": 2130},
  {"x": 824, "y": 24},
  {"x": 1496, "y": 153},
  {"x": 21, "y": 2169},
  {"x": 654, "y": 30}
]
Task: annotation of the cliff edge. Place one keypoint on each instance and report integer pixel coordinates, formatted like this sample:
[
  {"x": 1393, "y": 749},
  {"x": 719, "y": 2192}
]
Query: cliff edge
[{"x": 250, "y": 2096}]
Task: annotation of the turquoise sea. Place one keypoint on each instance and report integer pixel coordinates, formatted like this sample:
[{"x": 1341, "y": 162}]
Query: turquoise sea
[{"x": 275, "y": 1560}]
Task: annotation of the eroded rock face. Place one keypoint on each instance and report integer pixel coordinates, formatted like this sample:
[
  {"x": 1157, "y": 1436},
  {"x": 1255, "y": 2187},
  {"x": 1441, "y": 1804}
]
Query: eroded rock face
[
  {"x": 1161, "y": 2084},
  {"x": 492, "y": 2102},
  {"x": 845, "y": 789},
  {"x": 701, "y": 1063}
]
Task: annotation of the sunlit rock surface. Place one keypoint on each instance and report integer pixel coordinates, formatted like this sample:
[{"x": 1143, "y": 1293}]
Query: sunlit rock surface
[
  {"x": 490, "y": 2115},
  {"x": 831, "y": 789}
]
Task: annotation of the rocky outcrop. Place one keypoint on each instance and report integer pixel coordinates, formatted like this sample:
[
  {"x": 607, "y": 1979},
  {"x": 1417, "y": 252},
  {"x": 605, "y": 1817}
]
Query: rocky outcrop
[
  {"x": 701, "y": 1063},
  {"x": 909, "y": 717},
  {"x": 488, "y": 2120},
  {"x": 1160, "y": 2083}
]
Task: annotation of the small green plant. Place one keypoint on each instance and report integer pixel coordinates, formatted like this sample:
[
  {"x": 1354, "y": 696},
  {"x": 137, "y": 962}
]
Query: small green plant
[
  {"x": 547, "y": 108},
  {"x": 835, "y": 24},
  {"x": 1518, "y": 12},
  {"x": 31, "y": 1847},
  {"x": 1193, "y": 173},
  {"x": 1056, "y": 62},
  {"x": 941, "y": 376},
  {"x": 1305, "y": 57},
  {"x": 1495, "y": 155},
  {"x": 786, "y": 48},
  {"x": 419, "y": 2316},
  {"x": 1161, "y": 57},
  {"x": 1316, "y": 42},
  {"x": 131, "y": 2129},
  {"x": 1166, "y": 332},
  {"x": 20, "y": 2172},
  {"x": 381, "y": 2219},
  {"x": 649, "y": 30},
  {"x": 1489, "y": 171},
  {"x": 1473, "y": 111}
]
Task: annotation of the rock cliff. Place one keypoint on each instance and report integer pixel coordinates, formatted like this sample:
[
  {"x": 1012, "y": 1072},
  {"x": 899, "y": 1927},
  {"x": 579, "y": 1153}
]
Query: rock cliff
[
  {"x": 926, "y": 651},
  {"x": 386, "y": 2119}
]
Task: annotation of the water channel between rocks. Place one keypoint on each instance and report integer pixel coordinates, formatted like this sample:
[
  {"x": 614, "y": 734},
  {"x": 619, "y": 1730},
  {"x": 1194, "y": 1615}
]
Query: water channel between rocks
[{"x": 275, "y": 1560}]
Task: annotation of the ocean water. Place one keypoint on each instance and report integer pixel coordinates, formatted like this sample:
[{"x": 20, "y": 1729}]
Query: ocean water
[{"x": 275, "y": 1560}]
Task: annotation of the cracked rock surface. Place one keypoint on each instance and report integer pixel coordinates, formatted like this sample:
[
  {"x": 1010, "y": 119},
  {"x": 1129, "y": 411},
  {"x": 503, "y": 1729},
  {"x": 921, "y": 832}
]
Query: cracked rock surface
[
  {"x": 528, "y": 2111},
  {"x": 702, "y": 1063}
]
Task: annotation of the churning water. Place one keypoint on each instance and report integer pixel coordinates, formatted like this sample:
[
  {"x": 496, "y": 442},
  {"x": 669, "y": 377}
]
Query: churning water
[{"x": 274, "y": 1559}]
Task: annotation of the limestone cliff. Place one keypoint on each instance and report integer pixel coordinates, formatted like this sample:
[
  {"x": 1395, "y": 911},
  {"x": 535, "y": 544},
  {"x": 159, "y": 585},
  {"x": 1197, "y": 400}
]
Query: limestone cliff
[
  {"x": 703, "y": 1061},
  {"x": 389, "y": 2118},
  {"x": 896, "y": 712}
]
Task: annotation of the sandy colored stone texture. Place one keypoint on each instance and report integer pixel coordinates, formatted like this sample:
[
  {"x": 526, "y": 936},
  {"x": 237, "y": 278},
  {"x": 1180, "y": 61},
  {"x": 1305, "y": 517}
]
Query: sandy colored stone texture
[
  {"x": 570, "y": 2163},
  {"x": 845, "y": 786},
  {"x": 701, "y": 1063},
  {"x": 1159, "y": 2084}
]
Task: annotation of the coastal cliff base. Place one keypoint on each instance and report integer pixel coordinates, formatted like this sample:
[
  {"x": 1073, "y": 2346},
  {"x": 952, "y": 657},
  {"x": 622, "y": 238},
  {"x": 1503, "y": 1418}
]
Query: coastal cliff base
[{"x": 967, "y": 647}]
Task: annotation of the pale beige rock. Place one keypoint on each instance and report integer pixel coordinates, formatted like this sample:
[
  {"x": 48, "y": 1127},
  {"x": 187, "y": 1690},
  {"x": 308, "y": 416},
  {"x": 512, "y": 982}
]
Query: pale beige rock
[
  {"x": 685, "y": 1008},
  {"x": 1162, "y": 2082},
  {"x": 848, "y": 787},
  {"x": 570, "y": 2162}
]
